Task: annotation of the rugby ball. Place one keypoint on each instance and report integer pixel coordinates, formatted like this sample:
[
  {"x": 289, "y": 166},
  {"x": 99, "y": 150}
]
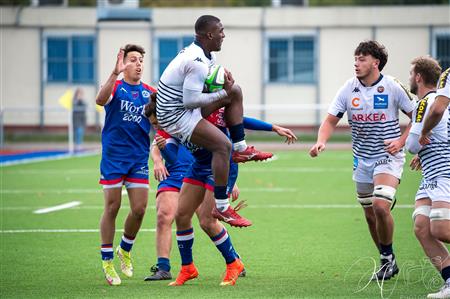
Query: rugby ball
[{"x": 215, "y": 79}]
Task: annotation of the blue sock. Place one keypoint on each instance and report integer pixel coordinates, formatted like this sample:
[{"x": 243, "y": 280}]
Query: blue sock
[
  {"x": 446, "y": 273},
  {"x": 163, "y": 264},
  {"x": 386, "y": 250},
  {"x": 223, "y": 243},
  {"x": 185, "y": 240},
  {"x": 127, "y": 243},
  {"x": 107, "y": 252},
  {"x": 237, "y": 132}
]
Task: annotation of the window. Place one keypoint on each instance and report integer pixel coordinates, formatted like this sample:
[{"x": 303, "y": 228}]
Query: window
[
  {"x": 70, "y": 59},
  {"x": 292, "y": 60},
  {"x": 443, "y": 50},
  {"x": 168, "y": 48}
]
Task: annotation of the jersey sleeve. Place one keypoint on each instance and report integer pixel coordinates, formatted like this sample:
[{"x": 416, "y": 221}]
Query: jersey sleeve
[
  {"x": 404, "y": 99},
  {"x": 443, "y": 88},
  {"x": 196, "y": 73},
  {"x": 339, "y": 105},
  {"x": 419, "y": 115},
  {"x": 114, "y": 93}
]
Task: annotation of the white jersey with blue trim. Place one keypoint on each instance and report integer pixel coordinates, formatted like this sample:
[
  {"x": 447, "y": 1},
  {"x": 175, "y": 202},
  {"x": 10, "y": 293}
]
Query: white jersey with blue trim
[
  {"x": 188, "y": 69},
  {"x": 435, "y": 156},
  {"x": 372, "y": 113}
]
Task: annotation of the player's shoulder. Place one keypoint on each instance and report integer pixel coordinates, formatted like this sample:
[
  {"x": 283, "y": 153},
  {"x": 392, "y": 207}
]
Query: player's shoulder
[
  {"x": 148, "y": 87},
  {"x": 444, "y": 79},
  {"x": 396, "y": 84}
]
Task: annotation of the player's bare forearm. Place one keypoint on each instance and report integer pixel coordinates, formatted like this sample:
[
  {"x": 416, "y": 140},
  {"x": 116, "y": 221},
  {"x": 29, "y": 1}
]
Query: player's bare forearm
[
  {"x": 106, "y": 90},
  {"x": 327, "y": 128},
  {"x": 155, "y": 154}
]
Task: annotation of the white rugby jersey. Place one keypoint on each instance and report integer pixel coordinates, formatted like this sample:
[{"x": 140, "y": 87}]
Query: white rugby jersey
[
  {"x": 435, "y": 156},
  {"x": 189, "y": 68},
  {"x": 372, "y": 113},
  {"x": 443, "y": 89}
]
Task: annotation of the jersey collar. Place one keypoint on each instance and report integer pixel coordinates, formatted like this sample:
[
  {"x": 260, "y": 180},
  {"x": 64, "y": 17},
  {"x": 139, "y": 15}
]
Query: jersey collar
[
  {"x": 431, "y": 91},
  {"x": 375, "y": 83},
  {"x": 208, "y": 55}
]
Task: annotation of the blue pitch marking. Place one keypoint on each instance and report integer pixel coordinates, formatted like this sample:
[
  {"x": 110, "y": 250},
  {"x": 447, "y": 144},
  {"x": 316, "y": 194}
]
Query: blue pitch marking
[{"x": 30, "y": 155}]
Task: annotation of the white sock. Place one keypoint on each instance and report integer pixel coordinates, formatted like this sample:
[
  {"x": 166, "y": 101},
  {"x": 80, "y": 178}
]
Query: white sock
[
  {"x": 240, "y": 146},
  {"x": 387, "y": 257},
  {"x": 222, "y": 204}
]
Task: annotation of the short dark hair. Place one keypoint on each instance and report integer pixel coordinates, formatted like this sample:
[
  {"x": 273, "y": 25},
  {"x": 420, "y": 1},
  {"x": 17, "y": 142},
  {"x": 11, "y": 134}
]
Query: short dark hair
[
  {"x": 374, "y": 49},
  {"x": 203, "y": 24},
  {"x": 428, "y": 68},
  {"x": 150, "y": 107},
  {"x": 132, "y": 48}
]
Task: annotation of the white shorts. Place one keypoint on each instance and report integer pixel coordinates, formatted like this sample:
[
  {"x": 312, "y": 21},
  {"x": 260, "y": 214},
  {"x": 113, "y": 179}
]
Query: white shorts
[
  {"x": 184, "y": 127},
  {"x": 365, "y": 169},
  {"x": 437, "y": 189}
]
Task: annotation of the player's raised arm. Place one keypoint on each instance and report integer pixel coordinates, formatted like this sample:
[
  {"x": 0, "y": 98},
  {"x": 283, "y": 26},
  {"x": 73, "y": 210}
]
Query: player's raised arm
[
  {"x": 259, "y": 125},
  {"x": 193, "y": 95},
  {"x": 325, "y": 131},
  {"x": 106, "y": 90}
]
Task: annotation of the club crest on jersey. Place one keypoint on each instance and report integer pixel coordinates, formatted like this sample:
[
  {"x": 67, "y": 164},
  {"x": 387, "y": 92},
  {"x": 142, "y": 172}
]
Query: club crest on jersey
[
  {"x": 145, "y": 94},
  {"x": 380, "y": 88},
  {"x": 380, "y": 101},
  {"x": 135, "y": 94}
]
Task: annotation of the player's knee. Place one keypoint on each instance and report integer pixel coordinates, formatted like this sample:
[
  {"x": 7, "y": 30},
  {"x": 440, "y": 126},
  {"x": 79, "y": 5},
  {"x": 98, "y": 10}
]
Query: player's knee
[
  {"x": 165, "y": 218},
  {"x": 440, "y": 219},
  {"x": 112, "y": 208},
  {"x": 139, "y": 212},
  {"x": 421, "y": 227},
  {"x": 236, "y": 92}
]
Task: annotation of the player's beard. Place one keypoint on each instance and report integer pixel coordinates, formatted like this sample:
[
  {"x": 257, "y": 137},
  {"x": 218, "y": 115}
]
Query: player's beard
[{"x": 413, "y": 88}]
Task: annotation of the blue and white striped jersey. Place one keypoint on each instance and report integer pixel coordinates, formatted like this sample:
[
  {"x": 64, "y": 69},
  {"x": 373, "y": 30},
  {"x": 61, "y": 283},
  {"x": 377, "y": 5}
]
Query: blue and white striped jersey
[
  {"x": 372, "y": 113},
  {"x": 435, "y": 156},
  {"x": 188, "y": 69}
]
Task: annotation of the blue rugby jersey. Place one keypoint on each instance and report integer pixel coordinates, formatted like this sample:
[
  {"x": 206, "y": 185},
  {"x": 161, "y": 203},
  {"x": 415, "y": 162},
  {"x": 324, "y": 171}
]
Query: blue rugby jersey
[{"x": 125, "y": 134}]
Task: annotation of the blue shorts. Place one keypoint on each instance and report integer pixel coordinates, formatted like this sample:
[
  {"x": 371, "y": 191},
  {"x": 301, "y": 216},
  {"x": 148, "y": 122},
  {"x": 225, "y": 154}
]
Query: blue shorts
[
  {"x": 115, "y": 174},
  {"x": 172, "y": 183},
  {"x": 201, "y": 175}
]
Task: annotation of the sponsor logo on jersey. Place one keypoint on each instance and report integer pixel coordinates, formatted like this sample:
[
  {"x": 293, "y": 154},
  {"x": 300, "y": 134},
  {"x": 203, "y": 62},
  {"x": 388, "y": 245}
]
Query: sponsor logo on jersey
[
  {"x": 355, "y": 102},
  {"x": 130, "y": 107},
  {"x": 145, "y": 94},
  {"x": 380, "y": 101},
  {"x": 443, "y": 79},
  {"x": 421, "y": 108},
  {"x": 356, "y": 89},
  {"x": 380, "y": 88},
  {"x": 369, "y": 117}
]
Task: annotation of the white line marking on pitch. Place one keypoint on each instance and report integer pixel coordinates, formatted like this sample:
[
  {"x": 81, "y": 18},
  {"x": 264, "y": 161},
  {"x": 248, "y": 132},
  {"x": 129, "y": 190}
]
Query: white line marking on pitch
[
  {"x": 58, "y": 207},
  {"x": 93, "y": 230},
  {"x": 267, "y": 206}
]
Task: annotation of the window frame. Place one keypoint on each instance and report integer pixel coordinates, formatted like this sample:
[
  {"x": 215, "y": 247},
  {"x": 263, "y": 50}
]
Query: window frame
[
  {"x": 70, "y": 59},
  {"x": 290, "y": 38},
  {"x": 156, "y": 53},
  {"x": 439, "y": 32}
]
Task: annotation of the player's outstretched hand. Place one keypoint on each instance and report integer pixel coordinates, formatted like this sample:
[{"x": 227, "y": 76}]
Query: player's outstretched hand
[
  {"x": 160, "y": 141},
  {"x": 393, "y": 146},
  {"x": 120, "y": 66},
  {"x": 415, "y": 163},
  {"x": 316, "y": 149},
  {"x": 423, "y": 139},
  {"x": 290, "y": 136},
  {"x": 160, "y": 171},
  {"x": 235, "y": 193}
]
